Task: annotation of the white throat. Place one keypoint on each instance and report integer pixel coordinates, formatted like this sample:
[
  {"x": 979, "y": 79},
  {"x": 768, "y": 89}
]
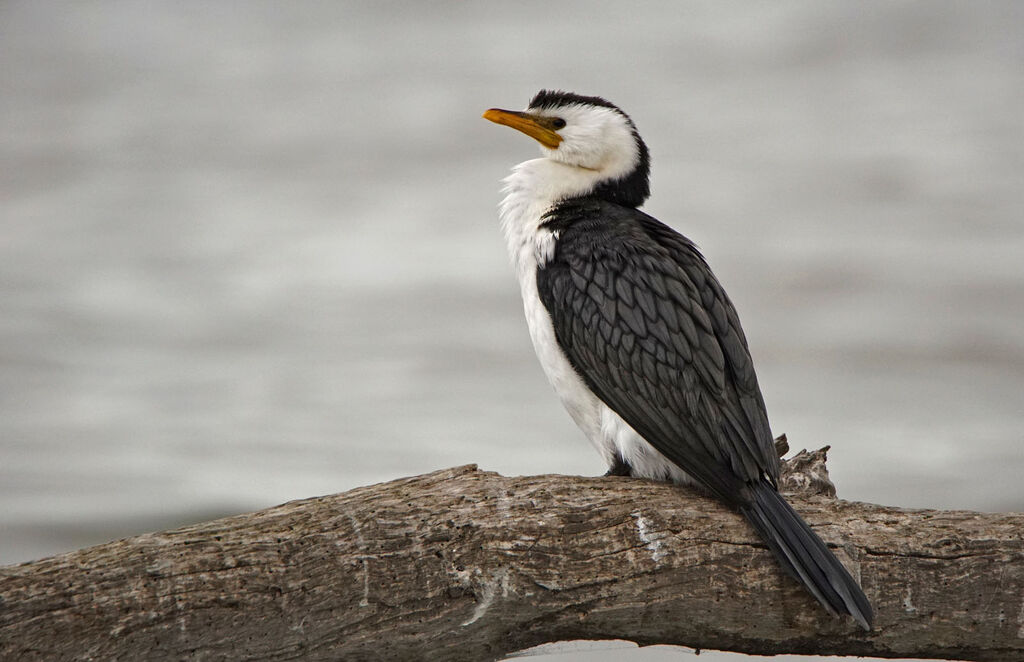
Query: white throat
[{"x": 530, "y": 191}]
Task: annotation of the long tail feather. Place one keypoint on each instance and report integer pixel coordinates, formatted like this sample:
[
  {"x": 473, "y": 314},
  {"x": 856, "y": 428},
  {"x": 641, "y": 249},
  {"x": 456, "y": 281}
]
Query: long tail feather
[{"x": 804, "y": 555}]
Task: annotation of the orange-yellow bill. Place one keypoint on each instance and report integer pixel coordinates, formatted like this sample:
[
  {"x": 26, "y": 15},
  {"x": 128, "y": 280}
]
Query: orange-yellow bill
[{"x": 532, "y": 125}]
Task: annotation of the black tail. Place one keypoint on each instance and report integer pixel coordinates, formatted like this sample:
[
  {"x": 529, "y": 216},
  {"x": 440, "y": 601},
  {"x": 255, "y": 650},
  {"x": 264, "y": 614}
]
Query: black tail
[{"x": 804, "y": 556}]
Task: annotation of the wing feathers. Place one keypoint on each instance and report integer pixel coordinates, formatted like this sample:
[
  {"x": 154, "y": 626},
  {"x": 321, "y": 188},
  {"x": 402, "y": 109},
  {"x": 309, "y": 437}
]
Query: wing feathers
[{"x": 650, "y": 330}]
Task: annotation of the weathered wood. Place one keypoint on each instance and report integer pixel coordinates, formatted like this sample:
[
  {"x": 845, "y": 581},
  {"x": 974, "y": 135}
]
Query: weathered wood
[{"x": 464, "y": 564}]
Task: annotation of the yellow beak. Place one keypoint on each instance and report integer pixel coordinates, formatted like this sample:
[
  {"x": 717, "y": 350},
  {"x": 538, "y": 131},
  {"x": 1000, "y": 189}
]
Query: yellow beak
[{"x": 532, "y": 125}]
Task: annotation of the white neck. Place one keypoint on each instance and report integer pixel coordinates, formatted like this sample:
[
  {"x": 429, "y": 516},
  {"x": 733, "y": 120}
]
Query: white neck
[{"x": 530, "y": 191}]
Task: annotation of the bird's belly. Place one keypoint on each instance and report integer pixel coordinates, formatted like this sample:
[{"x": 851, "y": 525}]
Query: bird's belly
[{"x": 581, "y": 403}]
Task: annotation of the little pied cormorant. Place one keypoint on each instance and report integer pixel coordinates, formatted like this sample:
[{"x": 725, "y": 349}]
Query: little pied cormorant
[{"x": 637, "y": 336}]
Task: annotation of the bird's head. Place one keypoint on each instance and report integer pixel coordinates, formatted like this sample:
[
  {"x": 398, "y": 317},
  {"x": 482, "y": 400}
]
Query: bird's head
[{"x": 588, "y": 133}]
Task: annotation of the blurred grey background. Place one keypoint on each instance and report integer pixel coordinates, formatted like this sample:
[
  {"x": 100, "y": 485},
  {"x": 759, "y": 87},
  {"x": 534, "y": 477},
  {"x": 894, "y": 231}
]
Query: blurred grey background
[{"x": 249, "y": 253}]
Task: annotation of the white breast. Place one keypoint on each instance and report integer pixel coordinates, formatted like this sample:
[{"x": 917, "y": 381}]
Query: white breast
[
  {"x": 531, "y": 190},
  {"x": 530, "y": 246}
]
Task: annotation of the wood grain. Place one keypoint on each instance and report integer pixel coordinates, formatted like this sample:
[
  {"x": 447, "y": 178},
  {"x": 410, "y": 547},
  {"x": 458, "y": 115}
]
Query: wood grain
[{"x": 463, "y": 564}]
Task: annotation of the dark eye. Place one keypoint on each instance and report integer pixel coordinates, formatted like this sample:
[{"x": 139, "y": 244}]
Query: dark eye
[{"x": 558, "y": 123}]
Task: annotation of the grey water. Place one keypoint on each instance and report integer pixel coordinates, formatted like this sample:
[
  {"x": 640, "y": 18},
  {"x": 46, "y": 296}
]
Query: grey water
[{"x": 248, "y": 251}]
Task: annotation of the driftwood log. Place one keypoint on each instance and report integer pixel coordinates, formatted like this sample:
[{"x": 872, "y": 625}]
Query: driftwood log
[{"x": 463, "y": 564}]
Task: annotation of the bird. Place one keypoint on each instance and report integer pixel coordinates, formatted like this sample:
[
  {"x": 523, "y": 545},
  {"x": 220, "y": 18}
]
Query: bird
[{"x": 637, "y": 336}]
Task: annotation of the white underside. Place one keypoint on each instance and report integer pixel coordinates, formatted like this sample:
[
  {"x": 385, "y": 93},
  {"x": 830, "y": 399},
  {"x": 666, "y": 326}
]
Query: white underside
[{"x": 531, "y": 190}]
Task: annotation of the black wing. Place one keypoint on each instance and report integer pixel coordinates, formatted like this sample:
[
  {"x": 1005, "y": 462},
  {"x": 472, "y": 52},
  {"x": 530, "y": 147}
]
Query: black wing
[{"x": 651, "y": 331}]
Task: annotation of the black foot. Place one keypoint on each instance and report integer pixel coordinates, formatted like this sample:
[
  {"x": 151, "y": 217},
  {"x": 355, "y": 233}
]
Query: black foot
[{"x": 619, "y": 468}]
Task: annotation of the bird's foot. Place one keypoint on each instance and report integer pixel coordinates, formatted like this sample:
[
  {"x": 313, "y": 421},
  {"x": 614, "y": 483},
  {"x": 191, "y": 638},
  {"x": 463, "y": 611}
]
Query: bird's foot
[{"x": 619, "y": 468}]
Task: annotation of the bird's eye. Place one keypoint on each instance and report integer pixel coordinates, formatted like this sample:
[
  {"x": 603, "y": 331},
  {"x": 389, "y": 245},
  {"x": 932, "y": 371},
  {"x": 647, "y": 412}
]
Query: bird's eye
[{"x": 558, "y": 123}]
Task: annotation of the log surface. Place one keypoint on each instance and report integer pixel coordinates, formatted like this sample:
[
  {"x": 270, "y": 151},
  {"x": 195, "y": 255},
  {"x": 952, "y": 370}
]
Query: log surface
[{"x": 463, "y": 564}]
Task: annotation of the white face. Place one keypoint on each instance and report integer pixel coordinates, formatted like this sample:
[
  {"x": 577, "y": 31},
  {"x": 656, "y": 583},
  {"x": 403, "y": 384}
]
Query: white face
[{"x": 594, "y": 138}]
